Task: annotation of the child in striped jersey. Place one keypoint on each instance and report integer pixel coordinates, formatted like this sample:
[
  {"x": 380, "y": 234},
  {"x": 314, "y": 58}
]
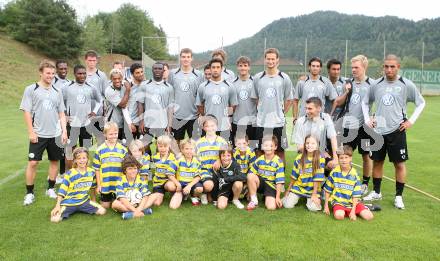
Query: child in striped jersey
[
  {"x": 266, "y": 176},
  {"x": 207, "y": 149},
  {"x": 73, "y": 195},
  {"x": 132, "y": 193},
  {"x": 306, "y": 178},
  {"x": 164, "y": 167},
  {"x": 137, "y": 149},
  {"x": 343, "y": 188},
  {"x": 244, "y": 156},
  {"x": 107, "y": 164},
  {"x": 188, "y": 175}
]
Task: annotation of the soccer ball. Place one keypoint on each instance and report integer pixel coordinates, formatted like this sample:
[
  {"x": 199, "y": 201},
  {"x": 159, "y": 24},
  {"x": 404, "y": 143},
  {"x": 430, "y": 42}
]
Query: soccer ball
[{"x": 134, "y": 196}]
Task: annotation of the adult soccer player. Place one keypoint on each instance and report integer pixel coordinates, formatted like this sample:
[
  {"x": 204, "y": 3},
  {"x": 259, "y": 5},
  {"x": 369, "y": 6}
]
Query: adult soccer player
[
  {"x": 45, "y": 120},
  {"x": 227, "y": 74},
  {"x": 390, "y": 95},
  {"x": 338, "y": 82}
]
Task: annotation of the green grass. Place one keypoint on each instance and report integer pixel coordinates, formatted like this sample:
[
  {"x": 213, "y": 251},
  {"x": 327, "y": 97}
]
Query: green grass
[{"x": 206, "y": 233}]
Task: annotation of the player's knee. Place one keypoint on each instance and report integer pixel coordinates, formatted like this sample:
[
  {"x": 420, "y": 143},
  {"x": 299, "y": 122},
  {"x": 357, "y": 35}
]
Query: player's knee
[
  {"x": 339, "y": 215},
  {"x": 271, "y": 206},
  {"x": 101, "y": 211},
  {"x": 367, "y": 215},
  {"x": 237, "y": 185},
  {"x": 208, "y": 185},
  {"x": 222, "y": 205},
  {"x": 33, "y": 163},
  {"x": 198, "y": 190}
]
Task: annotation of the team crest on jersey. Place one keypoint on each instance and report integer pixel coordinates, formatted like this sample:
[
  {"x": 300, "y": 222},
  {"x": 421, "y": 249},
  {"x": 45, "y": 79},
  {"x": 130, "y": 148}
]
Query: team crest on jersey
[
  {"x": 355, "y": 99},
  {"x": 157, "y": 99},
  {"x": 184, "y": 86},
  {"x": 244, "y": 95},
  {"x": 81, "y": 98},
  {"x": 271, "y": 92},
  {"x": 388, "y": 99},
  {"x": 48, "y": 105},
  {"x": 216, "y": 99},
  {"x": 230, "y": 173}
]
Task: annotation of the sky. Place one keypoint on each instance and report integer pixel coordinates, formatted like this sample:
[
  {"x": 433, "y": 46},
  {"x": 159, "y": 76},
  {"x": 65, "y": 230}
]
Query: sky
[{"x": 205, "y": 25}]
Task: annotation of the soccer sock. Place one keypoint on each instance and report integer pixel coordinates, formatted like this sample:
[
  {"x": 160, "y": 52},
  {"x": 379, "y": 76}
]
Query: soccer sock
[
  {"x": 376, "y": 184},
  {"x": 365, "y": 180},
  {"x": 50, "y": 184},
  {"x": 399, "y": 188},
  {"x": 30, "y": 189},
  {"x": 147, "y": 211},
  {"x": 254, "y": 199}
]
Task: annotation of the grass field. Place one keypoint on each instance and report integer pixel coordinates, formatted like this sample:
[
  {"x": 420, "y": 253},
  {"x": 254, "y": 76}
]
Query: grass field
[{"x": 205, "y": 233}]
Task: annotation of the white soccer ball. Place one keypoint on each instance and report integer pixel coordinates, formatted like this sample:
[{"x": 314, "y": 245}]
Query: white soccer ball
[{"x": 134, "y": 196}]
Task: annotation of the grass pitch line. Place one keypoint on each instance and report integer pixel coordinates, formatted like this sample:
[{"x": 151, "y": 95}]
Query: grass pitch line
[
  {"x": 12, "y": 176},
  {"x": 408, "y": 186}
]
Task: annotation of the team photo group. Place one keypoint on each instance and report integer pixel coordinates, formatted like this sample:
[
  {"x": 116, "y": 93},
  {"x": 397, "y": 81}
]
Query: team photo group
[{"x": 217, "y": 137}]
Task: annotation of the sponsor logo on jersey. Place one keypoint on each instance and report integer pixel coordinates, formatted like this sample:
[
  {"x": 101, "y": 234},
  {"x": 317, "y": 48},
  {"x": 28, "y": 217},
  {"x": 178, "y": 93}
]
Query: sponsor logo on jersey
[
  {"x": 184, "y": 86},
  {"x": 271, "y": 93},
  {"x": 388, "y": 99},
  {"x": 48, "y": 105},
  {"x": 244, "y": 95},
  {"x": 355, "y": 99},
  {"x": 157, "y": 99},
  {"x": 81, "y": 98},
  {"x": 216, "y": 99}
]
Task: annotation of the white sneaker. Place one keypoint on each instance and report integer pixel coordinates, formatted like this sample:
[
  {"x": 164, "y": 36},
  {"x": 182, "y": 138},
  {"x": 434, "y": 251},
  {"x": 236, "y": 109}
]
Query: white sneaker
[
  {"x": 398, "y": 202},
  {"x": 204, "y": 199},
  {"x": 59, "y": 179},
  {"x": 238, "y": 204},
  {"x": 28, "y": 199},
  {"x": 364, "y": 189},
  {"x": 51, "y": 193},
  {"x": 214, "y": 203},
  {"x": 373, "y": 196}
]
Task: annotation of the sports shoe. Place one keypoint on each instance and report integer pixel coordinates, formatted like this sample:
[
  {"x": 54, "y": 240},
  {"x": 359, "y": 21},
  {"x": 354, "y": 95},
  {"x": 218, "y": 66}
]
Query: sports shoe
[
  {"x": 59, "y": 179},
  {"x": 28, "y": 199},
  {"x": 373, "y": 196},
  {"x": 51, "y": 193},
  {"x": 127, "y": 215},
  {"x": 364, "y": 189},
  {"x": 204, "y": 199},
  {"x": 398, "y": 202},
  {"x": 214, "y": 203},
  {"x": 195, "y": 201},
  {"x": 238, "y": 204},
  {"x": 251, "y": 206},
  {"x": 147, "y": 211}
]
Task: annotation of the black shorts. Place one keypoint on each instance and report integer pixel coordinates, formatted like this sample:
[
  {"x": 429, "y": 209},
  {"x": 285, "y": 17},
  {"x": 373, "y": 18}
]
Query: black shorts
[
  {"x": 395, "y": 145},
  {"x": 159, "y": 189},
  {"x": 137, "y": 134},
  {"x": 55, "y": 150},
  {"x": 197, "y": 185},
  {"x": 79, "y": 134},
  {"x": 362, "y": 139},
  {"x": 249, "y": 130},
  {"x": 265, "y": 189},
  {"x": 108, "y": 197},
  {"x": 180, "y": 127},
  {"x": 279, "y": 132},
  {"x": 87, "y": 207}
]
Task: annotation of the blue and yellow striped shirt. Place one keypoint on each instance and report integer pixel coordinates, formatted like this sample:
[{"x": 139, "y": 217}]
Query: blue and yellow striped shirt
[
  {"x": 304, "y": 180},
  {"x": 163, "y": 168},
  {"x": 76, "y": 186},
  {"x": 145, "y": 162},
  {"x": 109, "y": 162},
  {"x": 187, "y": 171},
  {"x": 245, "y": 160},
  {"x": 208, "y": 153},
  {"x": 272, "y": 171},
  {"x": 343, "y": 187},
  {"x": 139, "y": 184}
]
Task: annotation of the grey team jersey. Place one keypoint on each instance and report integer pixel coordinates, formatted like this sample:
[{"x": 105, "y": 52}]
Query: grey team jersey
[
  {"x": 390, "y": 100},
  {"x": 185, "y": 92},
  {"x": 271, "y": 92},
  {"x": 321, "y": 88},
  {"x": 228, "y": 75},
  {"x": 99, "y": 81},
  {"x": 78, "y": 102},
  {"x": 59, "y": 83},
  {"x": 217, "y": 97},
  {"x": 132, "y": 101},
  {"x": 354, "y": 117},
  {"x": 322, "y": 128},
  {"x": 246, "y": 111},
  {"x": 338, "y": 85},
  {"x": 113, "y": 112},
  {"x": 44, "y": 105},
  {"x": 157, "y": 97}
]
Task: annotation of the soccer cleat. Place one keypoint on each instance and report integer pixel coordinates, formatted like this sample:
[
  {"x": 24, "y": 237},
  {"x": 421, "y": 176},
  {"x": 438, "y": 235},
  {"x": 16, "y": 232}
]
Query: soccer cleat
[
  {"x": 195, "y": 201},
  {"x": 51, "y": 193},
  {"x": 238, "y": 204},
  {"x": 373, "y": 196},
  {"x": 373, "y": 207},
  {"x": 364, "y": 189},
  {"x": 398, "y": 202},
  {"x": 59, "y": 179},
  {"x": 147, "y": 211},
  {"x": 251, "y": 206},
  {"x": 127, "y": 215},
  {"x": 214, "y": 203},
  {"x": 204, "y": 199},
  {"x": 28, "y": 199}
]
